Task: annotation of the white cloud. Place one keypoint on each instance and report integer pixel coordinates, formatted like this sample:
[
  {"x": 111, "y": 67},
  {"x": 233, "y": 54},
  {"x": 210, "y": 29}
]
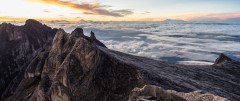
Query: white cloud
[{"x": 183, "y": 43}]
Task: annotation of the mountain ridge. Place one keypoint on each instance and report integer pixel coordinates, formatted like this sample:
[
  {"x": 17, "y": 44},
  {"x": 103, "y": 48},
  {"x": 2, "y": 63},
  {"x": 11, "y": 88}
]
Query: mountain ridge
[
  {"x": 73, "y": 67},
  {"x": 19, "y": 44}
]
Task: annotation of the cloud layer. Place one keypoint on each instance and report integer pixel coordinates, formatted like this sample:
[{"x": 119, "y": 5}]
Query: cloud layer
[
  {"x": 89, "y": 8},
  {"x": 187, "y": 43}
]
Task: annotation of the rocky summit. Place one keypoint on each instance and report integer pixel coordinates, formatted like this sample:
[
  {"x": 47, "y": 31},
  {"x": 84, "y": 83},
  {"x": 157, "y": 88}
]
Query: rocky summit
[
  {"x": 18, "y": 46},
  {"x": 38, "y": 63}
]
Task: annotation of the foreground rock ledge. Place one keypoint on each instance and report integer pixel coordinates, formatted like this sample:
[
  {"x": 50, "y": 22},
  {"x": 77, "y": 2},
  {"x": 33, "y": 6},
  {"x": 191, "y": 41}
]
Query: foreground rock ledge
[
  {"x": 151, "y": 92},
  {"x": 75, "y": 67}
]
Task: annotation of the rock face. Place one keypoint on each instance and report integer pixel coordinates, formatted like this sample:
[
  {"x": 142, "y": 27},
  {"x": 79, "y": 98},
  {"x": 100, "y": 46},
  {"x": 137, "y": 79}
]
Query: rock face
[
  {"x": 18, "y": 46},
  {"x": 151, "y": 92},
  {"x": 76, "y": 67}
]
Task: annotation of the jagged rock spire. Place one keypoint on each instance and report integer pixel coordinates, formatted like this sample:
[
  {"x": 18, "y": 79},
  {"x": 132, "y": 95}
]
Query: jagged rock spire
[
  {"x": 92, "y": 36},
  {"x": 94, "y": 40}
]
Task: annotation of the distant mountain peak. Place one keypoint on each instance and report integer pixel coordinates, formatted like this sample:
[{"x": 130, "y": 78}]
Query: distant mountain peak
[{"x": 222, "y": 59}]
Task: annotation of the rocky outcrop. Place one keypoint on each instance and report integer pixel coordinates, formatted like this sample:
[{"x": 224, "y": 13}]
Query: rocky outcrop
[
  {"x": 18, "y": 46},
  {"x": 75, "y": 69},
  {"x": 151, "y": 92},
  {"x": 222, "y": 59},
  {"x": 81, "y": 68}
]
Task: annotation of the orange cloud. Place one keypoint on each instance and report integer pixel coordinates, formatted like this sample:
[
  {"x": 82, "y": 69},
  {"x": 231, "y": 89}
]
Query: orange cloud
[
  {"x": 11, "y": 18},
  {"x": 88, "y": 8}
]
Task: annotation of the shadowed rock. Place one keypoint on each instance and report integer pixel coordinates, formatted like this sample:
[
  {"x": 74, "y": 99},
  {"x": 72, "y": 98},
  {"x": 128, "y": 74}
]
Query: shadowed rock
[
  {"x": 31, "y": 22},
  {"x": 222, "y": 59},
  {"x": 92, "y": 36},
  {"x": 76, "y": 69},
  {"x": 78, "y": 32},
  {"x": 18, "y": 46},
  {"x": 94, "y": 40}
]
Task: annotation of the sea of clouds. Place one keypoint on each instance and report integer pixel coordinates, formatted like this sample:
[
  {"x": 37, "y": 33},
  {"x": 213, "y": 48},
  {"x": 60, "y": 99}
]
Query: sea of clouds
[{"x": 177, "y": 42}]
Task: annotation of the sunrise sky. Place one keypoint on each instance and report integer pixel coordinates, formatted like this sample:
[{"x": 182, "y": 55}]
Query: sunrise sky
[{"x": 118, "y": 10}]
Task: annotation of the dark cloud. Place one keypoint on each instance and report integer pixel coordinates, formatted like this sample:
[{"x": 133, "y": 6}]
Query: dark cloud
[
  {"x": 90, "y": 8},
  {"x": 123, "y": 12}
]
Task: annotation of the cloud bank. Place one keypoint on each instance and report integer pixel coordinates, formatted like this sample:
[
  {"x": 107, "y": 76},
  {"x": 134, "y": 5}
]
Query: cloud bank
[{"x": 185, "y": 43}]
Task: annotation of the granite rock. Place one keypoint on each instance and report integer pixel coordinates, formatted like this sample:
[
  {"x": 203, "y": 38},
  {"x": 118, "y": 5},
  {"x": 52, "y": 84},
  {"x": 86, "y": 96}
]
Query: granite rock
[{"x": 75, "y": 67}]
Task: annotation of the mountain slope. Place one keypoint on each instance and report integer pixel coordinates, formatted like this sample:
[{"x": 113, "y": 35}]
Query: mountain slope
[
  {"x": 18, "y": 45},
  {"x": 76, "y": 67},
  {"x": 220, "y": 79}
]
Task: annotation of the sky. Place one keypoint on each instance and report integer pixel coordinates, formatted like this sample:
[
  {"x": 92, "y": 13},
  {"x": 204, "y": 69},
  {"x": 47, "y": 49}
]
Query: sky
[{"x": 118, "y": 10}]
